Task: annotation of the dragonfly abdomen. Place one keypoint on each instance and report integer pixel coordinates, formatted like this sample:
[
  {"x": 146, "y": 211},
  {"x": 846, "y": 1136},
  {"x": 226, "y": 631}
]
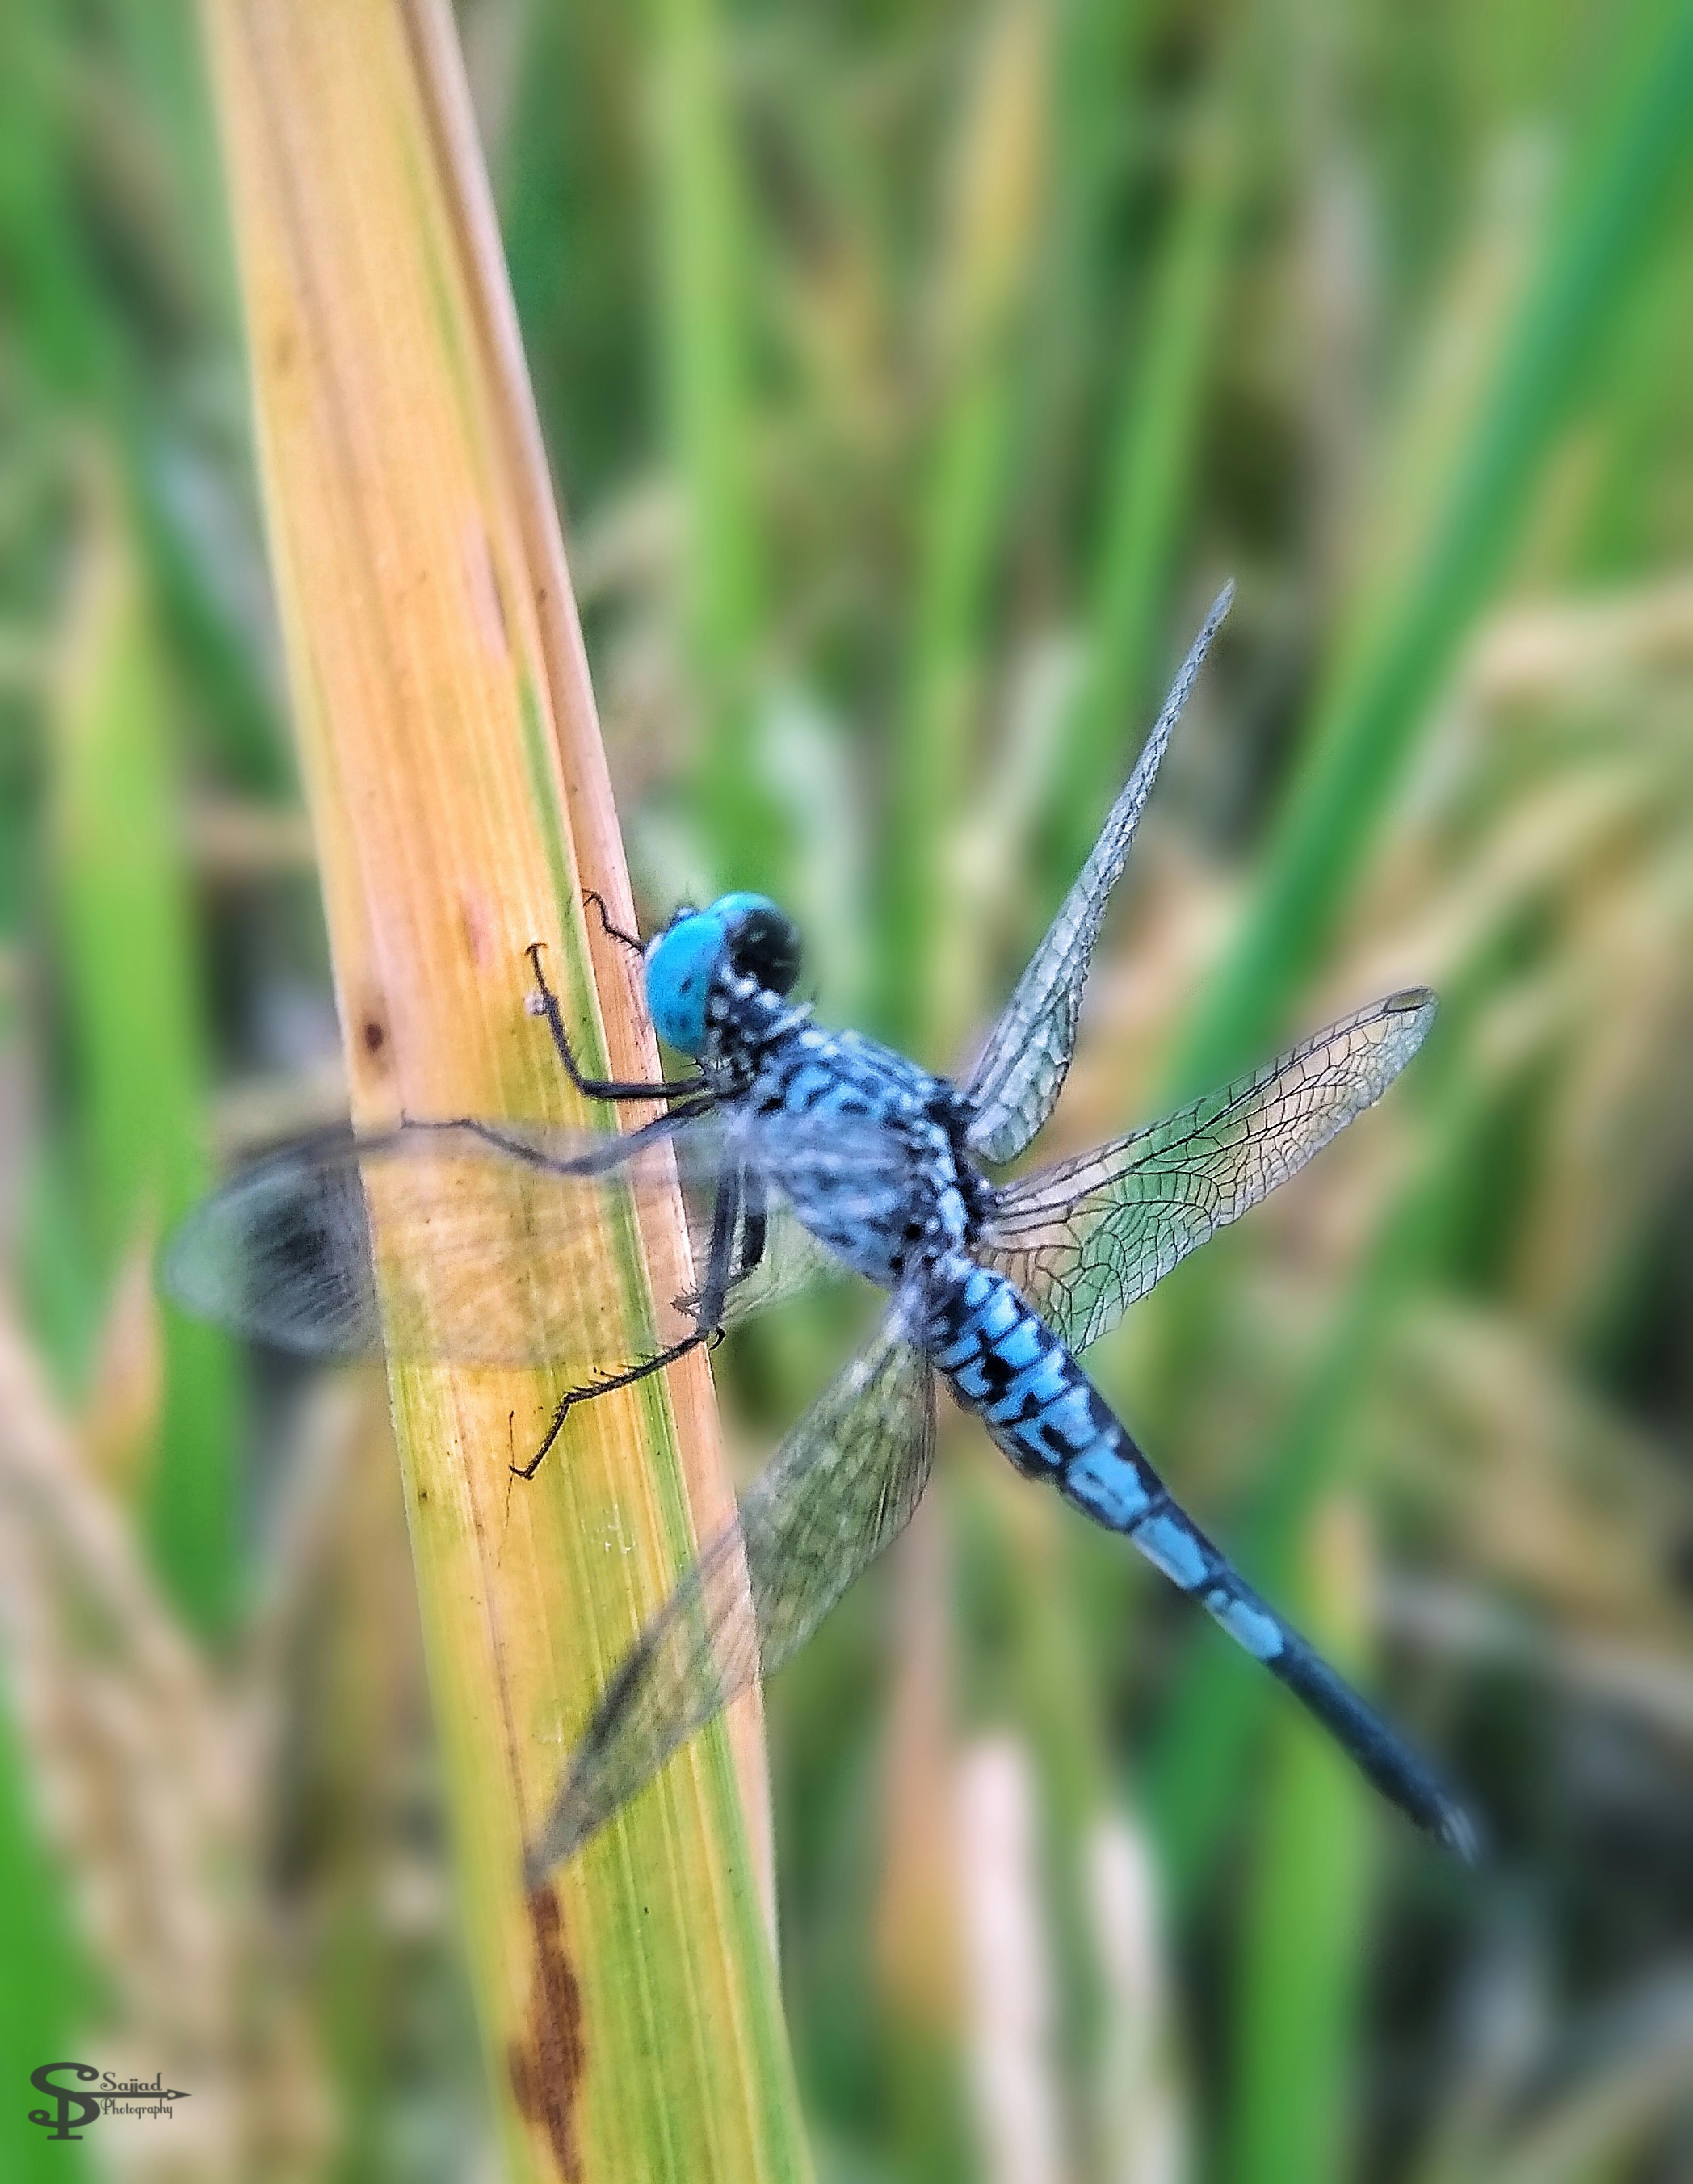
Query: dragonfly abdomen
[{"x": 1004, "y": 1362}]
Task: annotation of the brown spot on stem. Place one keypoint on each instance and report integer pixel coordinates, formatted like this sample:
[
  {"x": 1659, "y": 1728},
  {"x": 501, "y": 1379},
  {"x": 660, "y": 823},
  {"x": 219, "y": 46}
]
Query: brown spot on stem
[
  {"x": 374, "y": 1037},
  {"x": 473, "y": 925},
  {"x": 546, "y": 2062}
]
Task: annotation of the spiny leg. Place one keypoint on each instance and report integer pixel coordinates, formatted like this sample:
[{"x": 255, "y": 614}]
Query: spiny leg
[
  {"x": 602, "y": 1158},
  {"x": 599, "y": 1087},
  {"x": 573, "y": 1396},
  {"x": 708, "y": 1313},
  {"x": 611, "y": 931}
]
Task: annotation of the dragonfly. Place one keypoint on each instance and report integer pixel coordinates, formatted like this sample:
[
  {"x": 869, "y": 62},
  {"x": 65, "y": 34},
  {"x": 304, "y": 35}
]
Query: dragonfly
[{"x": 809, "y": 1148}]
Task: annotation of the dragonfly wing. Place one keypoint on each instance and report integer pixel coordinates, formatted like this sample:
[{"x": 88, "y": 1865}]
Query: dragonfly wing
[
  {"x": 281, "y": 1253},
  {"x": 1083, "y": 1239},
  {"x": 1016, "y": 1084},
  {"x": 501, "y": 1242},
  {"x": 843, "y": 1485}
]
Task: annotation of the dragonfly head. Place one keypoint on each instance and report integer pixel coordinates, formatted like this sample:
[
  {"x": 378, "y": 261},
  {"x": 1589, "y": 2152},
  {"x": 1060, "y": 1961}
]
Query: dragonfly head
[{"x": 746, "y": 936}]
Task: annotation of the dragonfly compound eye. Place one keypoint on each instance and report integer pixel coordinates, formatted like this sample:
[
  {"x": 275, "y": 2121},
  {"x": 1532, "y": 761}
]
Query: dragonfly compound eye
[
  {"x": 679, "y": 966},
  {"x": 764, "y": 944},
  {"x": 761, "y": 939}
]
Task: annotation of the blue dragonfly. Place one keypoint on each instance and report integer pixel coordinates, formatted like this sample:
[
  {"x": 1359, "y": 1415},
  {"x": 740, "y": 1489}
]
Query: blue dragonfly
[{"x": 816, "y": 1147}]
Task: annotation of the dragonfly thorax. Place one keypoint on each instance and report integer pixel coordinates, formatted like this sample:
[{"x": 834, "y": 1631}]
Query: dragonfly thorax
[{"x": 879, "y": 1170}]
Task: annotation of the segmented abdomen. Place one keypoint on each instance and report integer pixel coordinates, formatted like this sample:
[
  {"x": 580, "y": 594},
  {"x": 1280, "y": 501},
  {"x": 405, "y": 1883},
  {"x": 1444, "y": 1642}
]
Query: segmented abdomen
[{"x": 1002, "y": 1360}]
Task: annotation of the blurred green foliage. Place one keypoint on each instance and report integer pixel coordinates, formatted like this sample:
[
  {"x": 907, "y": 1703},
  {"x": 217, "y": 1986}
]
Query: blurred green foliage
[{"x": 912, "y": 376}]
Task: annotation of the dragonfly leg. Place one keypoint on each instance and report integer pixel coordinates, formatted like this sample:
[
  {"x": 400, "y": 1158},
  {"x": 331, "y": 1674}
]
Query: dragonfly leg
[
  {"x": 747, "y": 1256},
  {"x": 755, "y": 1224},
  {"x": 573, "y": 1397},
  {"x": 615, "y": 1151},
  {"x": 709, "y": 1328},
  {"x": 611, "y": 931},
  {"x": 598, "y": 1088}
]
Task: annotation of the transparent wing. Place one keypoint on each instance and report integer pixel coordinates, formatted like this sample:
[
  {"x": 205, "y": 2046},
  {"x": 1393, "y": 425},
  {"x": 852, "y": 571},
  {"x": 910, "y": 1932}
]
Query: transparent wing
[
  {"x": 1083, "y": 1239},
  {"x": 843, "y": 1485},
  {"x": 1016, "y": 1082},
  {"x": 502, "y": 1244}
]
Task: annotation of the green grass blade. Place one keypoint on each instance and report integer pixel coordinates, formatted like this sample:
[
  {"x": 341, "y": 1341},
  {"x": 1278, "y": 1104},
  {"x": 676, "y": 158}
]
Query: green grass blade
[
  {"x": 132, "y": 974},
  {"x": 1366, "y": 723},
  {"x": 1644, "y": 412},
  {"x": 1307, "y": 1923},
  {"x": 1155, "y": 441},
  {"x": 1098, "y": 122},
  {"x": 81, "y": 343},
  {"x": 702, "y": 220},
  {"x": 924, "y": 1004},
  {"x": 45, "y": 1990}
]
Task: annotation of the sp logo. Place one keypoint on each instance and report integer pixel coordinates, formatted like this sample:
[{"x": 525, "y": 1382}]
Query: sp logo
[
  {"x": 70, "y": 2107},
  {"x": 72, "y": 2112}
]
